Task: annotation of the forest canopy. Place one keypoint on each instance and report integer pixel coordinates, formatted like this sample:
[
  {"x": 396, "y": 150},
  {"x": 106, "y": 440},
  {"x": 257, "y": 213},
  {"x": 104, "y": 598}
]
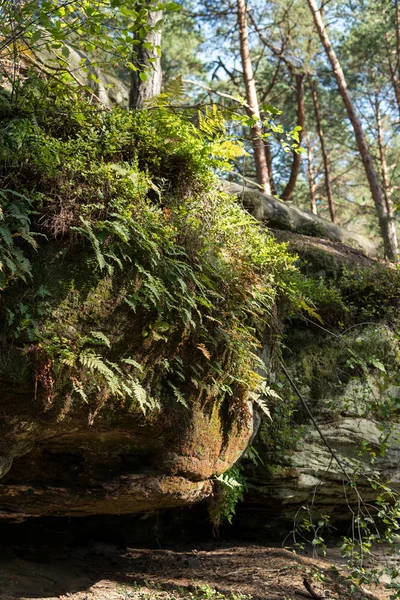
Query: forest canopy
[{"x": 311, "y": 94}]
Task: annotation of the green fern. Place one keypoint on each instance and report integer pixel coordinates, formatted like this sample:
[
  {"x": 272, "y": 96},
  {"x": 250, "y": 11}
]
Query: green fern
[
  {"x": 178, "y": 395},
  {"x": 98, "y": 335}
]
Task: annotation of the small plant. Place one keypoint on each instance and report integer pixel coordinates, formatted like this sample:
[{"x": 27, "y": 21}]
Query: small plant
[
  {"x": 153, "y": 591},
  {"x": 228, "y": 491}
]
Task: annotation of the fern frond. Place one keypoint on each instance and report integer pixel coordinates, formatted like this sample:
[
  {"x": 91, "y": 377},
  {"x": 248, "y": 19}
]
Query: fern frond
[
  {"x": 78, "y": 388},
  {"x": 204, "y": 351},
  {"x": 178, "y": 395},
  {"x": 130, "y": 361},
  {"x": 99, "y": 335},
  {"x": 268, "y": 391},
  {"x": 262, "y": 405},
  {"x": 229, "y": 481},
  {"x": 95, "y": 363},
  {"x": 140, "y": 394}
]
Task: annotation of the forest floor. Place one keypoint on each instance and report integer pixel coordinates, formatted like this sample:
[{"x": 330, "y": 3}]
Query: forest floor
[{"x": 108, "y": 572}]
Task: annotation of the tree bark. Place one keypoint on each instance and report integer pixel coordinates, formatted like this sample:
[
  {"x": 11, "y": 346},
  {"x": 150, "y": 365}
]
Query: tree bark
[
  {"x": 385, "y": 176},
  {"x": 268, "y": 156},
  {"x": 397, "y": 17},
  {"x": 293, "y": 67},
  {"x": 294, "y": 171},
  {"x": 147, "y": 60},
  {"x": 393, "y": 73},
  {"x": 325, "y": 160},
  {"x": 373, "y": 181},
  {"x": 251, "y": 96},
  {"x": 311, "y": 176}
]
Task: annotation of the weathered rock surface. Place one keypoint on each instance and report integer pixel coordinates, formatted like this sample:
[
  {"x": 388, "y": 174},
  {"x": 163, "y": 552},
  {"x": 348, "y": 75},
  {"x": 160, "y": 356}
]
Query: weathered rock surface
[
  {"x": 351, "y": 384},
  {"x": 287, "y": 216},
  {"x": 59, "y": 465},
  {"x": 65, "y": 456}
]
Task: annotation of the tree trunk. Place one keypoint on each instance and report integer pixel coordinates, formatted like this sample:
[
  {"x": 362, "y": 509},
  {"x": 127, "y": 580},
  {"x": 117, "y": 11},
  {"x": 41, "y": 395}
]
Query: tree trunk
[
  {"x": 268, "y": 156},
  {"x": 397, "y": 78},
  {"x": 385, "y": 176},
  {"x": 147, "y": 60},
  {"x": 375, "y": 188},
  {"x": 251, "y": 96},
  {"x": 393, "y": 73},
  {"x": 320, "y": 131},
  {"x": 288, "y": 191},
  {"x": 311, "y": 176}
]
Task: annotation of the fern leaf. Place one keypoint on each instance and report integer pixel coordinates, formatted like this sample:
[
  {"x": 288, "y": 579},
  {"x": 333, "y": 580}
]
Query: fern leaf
[
  {"x": 204, "y": 351},
  {"x": 178, "y": 394},
  {"x": 78, "y": 388},
  {"x": 140, "y": 395},
  {"x": 268, "y": 391},
  {"x": 99, "y": 335},
  {"x": 263, "y": 405},
  {"x": 5, "y": 234},
  {"x": 130, "y": 361},
  {"x": 95, "y": 363},
  {"x": 229, "y": 481}
]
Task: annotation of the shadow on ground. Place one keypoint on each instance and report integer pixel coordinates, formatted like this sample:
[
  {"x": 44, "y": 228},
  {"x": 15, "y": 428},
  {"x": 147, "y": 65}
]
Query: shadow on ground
[{"x": 109, "y": 572}]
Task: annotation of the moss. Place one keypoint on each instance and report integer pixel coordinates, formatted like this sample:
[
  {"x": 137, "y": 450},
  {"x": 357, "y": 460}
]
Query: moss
[
  {"x": 342, "y": 285},
  {"x": 150, "y": 285}
]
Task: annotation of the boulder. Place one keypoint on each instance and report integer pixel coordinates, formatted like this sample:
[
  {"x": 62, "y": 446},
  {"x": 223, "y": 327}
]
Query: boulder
[
  {"x": 54, "y": 462},
  {"x": 345, "y": 363},
  {"x": 280, "y": 215}
]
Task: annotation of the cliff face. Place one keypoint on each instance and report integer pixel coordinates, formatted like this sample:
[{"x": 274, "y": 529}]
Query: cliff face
[
  {"x": 344, "y": 362},
  {"x": 57, "y": 464},
  {"x": 130, "y": 311},
  {"x": 135, "y": 296},
  {"x": 101, "y": 412}
]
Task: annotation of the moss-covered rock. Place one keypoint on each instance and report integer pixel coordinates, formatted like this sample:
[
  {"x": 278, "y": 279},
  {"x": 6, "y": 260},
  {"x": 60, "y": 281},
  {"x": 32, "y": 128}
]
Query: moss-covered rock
[
  {"x": 343, "y": 357},
  {"x": 134, "y": 296}
]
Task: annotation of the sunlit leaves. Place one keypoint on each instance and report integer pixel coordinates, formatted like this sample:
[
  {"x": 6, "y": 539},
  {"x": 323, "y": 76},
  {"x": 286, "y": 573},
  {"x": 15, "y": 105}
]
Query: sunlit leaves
[{"x": 102, "y": 30}]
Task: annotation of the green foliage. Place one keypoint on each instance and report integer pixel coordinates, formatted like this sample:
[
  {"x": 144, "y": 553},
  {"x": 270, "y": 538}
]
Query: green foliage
[
  {"x": 131, "y": 199},
  {"x": 102, "y": 31},
  {"x": 15, "y": 211},
  {"x": 228, "y": 491},
  {"x": 153, "y": 591}
]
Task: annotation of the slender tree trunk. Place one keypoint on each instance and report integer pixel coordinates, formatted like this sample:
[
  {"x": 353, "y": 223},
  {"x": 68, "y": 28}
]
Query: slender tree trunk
[
  {"x": 251, "y": 96},
  {"x": 393, "y": 72},
  {"x": 385, "y": 176},
  {"x": 375, "y": 188},
  {"x": 147, "y": 59},
  {"x": 325, "y": 160},
  {"x": 268, "y": 156},
  {"x": 311, "y": 176},
  {"x": 288, "y": 191},
  {"x": 397, "y": 16}
]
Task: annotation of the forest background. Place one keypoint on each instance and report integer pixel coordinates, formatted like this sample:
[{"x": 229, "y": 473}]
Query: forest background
[{"x": 324, "y": 134}]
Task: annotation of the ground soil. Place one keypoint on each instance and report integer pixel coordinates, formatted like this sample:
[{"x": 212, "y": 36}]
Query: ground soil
[{"x": 108, "y": 572}]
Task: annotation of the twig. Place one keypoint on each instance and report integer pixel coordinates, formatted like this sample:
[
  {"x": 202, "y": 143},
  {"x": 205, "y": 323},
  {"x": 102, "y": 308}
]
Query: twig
[
  {"x": 309, "y": 589},
  {"x": 239, "y": 100},
  {"x": 317, "y": 427}
]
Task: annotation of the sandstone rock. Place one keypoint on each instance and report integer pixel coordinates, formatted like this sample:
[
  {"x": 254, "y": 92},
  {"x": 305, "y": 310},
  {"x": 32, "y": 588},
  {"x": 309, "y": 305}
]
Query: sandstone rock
[
  {"x": 355, "y": 411},
  {"x": 286, "y": 216},
  {"x": 120, "y": 464}
]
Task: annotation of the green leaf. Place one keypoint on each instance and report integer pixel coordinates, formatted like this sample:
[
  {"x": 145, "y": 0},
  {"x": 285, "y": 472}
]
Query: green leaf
[{"x": 378, "y": 365}]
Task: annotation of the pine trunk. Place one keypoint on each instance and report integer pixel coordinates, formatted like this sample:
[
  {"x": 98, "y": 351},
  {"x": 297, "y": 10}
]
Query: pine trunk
[
  {"x": 397, "y": 71},
  {"x": 147, "y": 60},
  {"x": 288, "y": 191},
  {"x": 373, "y": 181},
  {"x": 385, "y": 177},
  {"x": 252, "y": 101},
  {"x": 325, "y": 160},
  {"x": 311, "y": 176},
  {"x": 268, "y": 156}
]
